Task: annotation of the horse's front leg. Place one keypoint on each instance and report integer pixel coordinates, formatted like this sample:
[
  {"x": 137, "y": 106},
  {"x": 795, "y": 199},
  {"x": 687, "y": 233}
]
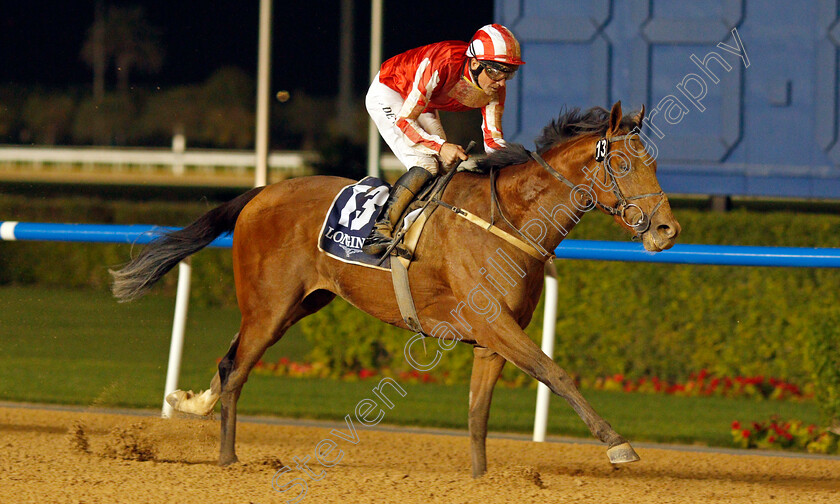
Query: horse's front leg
[
  {"x": 505, "y": 337},
  {"x": 487, "y": 366}
]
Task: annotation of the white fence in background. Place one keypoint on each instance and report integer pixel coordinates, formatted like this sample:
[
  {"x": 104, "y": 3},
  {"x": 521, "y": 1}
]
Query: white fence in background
[{"x": 177, "y": 161}]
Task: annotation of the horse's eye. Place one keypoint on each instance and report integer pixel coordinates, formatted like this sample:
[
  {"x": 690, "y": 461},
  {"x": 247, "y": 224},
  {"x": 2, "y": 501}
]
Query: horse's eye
[{"x": 622, "y": 169}]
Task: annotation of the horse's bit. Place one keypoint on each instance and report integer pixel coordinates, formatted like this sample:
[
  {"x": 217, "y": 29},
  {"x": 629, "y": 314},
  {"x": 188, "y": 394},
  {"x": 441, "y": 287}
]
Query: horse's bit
[{"x": 623, "y": 204}]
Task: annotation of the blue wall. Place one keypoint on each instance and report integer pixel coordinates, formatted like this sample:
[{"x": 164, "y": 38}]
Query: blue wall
[{"x": 768, "y": 129}]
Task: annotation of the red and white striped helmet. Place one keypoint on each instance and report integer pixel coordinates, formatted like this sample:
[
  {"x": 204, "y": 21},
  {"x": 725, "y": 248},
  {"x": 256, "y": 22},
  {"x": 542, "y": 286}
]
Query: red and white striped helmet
[{"x": 494, "y": 42}]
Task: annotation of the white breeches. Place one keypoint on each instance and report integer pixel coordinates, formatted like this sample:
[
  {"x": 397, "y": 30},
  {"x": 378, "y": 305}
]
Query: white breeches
[{"x": 383, "y": 104}]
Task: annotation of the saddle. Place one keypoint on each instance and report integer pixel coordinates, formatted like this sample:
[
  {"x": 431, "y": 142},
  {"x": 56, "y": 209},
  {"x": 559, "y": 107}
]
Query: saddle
[{"x": 401, "y": 251}]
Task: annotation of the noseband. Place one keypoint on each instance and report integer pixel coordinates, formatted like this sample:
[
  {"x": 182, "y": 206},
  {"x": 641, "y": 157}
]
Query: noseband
[{"x": 622, "y": 205}]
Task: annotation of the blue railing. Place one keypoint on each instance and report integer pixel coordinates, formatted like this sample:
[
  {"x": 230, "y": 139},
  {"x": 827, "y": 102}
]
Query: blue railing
[
  {"x": 139, "y": 234},
  {"x": 728, "y": 255}
]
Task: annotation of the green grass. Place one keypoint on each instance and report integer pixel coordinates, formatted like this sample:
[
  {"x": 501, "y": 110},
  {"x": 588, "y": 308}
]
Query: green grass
[
  {"x": 640, "y": 417},
  {"x": 81, "y": 347}
]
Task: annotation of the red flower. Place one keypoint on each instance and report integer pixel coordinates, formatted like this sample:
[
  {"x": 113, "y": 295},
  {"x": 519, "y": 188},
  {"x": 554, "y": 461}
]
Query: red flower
[
  {"x": 746, "y": 433},
  {"x": 736, "y": 425},
  {"x": 657, "y": 384},
  {"x": 771, "y": 439},
  {"x": 366, "y": 373}
]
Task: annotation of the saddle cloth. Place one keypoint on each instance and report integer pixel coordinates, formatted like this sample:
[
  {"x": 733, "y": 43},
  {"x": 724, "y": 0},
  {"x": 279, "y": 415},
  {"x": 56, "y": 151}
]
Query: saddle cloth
[{"x": 350, "y": 219}]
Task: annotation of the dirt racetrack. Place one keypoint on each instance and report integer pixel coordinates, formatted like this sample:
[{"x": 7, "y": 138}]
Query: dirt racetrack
[{"x": 65, "y": 456}]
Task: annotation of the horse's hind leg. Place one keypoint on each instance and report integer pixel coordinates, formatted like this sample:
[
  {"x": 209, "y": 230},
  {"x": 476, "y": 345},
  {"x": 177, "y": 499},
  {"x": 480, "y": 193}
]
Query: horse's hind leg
[
  {"x": 259, "y": 330},
  {"x": 230, "y": 386},
  {"x": 487, "y": 366}
]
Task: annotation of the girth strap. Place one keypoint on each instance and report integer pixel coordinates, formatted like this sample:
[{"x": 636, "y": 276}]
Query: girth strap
[
  {"x": 399, "y": 271},
  {"x": 399, "y": 275}
]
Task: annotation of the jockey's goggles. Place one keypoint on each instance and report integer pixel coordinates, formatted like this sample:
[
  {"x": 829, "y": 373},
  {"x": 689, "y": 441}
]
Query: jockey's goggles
[{"x": 497, "y": 71}]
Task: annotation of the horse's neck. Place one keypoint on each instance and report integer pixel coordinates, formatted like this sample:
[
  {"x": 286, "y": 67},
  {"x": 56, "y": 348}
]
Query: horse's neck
[{"x": 537, "y": 203}]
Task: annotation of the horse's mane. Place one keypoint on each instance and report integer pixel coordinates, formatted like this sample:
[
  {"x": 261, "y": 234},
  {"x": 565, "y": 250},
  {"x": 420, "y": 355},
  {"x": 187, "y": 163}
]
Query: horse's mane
[{"x": 570, "y": 124}]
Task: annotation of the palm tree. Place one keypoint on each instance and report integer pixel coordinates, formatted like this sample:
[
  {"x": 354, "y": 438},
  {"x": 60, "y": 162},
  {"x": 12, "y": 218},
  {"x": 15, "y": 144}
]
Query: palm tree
[{"x": 125, "y": 36}]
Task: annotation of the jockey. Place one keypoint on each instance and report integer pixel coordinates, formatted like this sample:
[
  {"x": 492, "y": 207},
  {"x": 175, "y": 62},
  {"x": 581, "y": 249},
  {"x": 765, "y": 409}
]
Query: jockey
[{"x": 407, "y": 94}]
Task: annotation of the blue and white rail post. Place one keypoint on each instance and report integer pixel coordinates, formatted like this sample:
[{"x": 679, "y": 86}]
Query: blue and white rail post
[
  {"x": 7, "y": 230},
  {"x": 549, "y": 322},
  {"x": 179, "y": 324}
]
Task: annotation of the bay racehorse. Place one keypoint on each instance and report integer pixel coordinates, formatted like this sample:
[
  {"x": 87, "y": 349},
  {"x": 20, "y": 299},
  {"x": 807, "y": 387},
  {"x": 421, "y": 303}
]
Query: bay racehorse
[{"x": 281, "y": 276}]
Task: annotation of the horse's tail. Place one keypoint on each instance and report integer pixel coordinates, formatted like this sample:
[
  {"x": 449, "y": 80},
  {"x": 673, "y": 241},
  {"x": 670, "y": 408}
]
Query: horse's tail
[{"x": 162, "y": 254}]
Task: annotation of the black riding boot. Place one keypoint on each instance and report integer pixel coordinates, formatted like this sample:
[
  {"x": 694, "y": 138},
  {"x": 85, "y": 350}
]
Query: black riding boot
[{"x": 402, "y": 193}]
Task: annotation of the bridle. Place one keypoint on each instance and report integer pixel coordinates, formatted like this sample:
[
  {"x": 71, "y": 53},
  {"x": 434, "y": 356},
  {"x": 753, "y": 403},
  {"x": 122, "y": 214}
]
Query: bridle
[
  {"x": 623, "y": 203},
  {"x": 620, "y": 208}
]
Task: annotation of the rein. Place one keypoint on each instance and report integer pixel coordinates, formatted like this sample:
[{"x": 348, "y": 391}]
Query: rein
[{"x": 622, "y": 202}]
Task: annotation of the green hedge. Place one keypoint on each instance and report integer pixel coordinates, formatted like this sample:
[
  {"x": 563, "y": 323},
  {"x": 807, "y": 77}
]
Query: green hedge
[
  {"x": 636, "y": 319},
  {"x": 653, "y": 319},
  {"x": 823, "y": 354}
]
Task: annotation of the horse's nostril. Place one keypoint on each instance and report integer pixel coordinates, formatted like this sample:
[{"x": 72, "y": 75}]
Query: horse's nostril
[{"x": 666, "y": 231}]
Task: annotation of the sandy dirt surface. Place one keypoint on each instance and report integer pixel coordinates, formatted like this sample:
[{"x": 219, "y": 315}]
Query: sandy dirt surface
[{"x": 61, "y": 456}]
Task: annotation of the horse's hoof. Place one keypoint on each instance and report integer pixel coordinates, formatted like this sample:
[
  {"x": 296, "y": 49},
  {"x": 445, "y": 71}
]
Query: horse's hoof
[
  {"x": 175, "y": 398},
  {"x": 621, "y": 454},
  {"x": 226, "y": 461},
  {"x": 189, "y": 402}
]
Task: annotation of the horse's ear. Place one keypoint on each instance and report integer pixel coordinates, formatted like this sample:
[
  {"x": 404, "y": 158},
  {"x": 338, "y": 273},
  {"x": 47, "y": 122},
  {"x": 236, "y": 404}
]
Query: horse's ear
[
  {"x": 615, "y": 119},
  {"x": 638, "y": 118}
]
